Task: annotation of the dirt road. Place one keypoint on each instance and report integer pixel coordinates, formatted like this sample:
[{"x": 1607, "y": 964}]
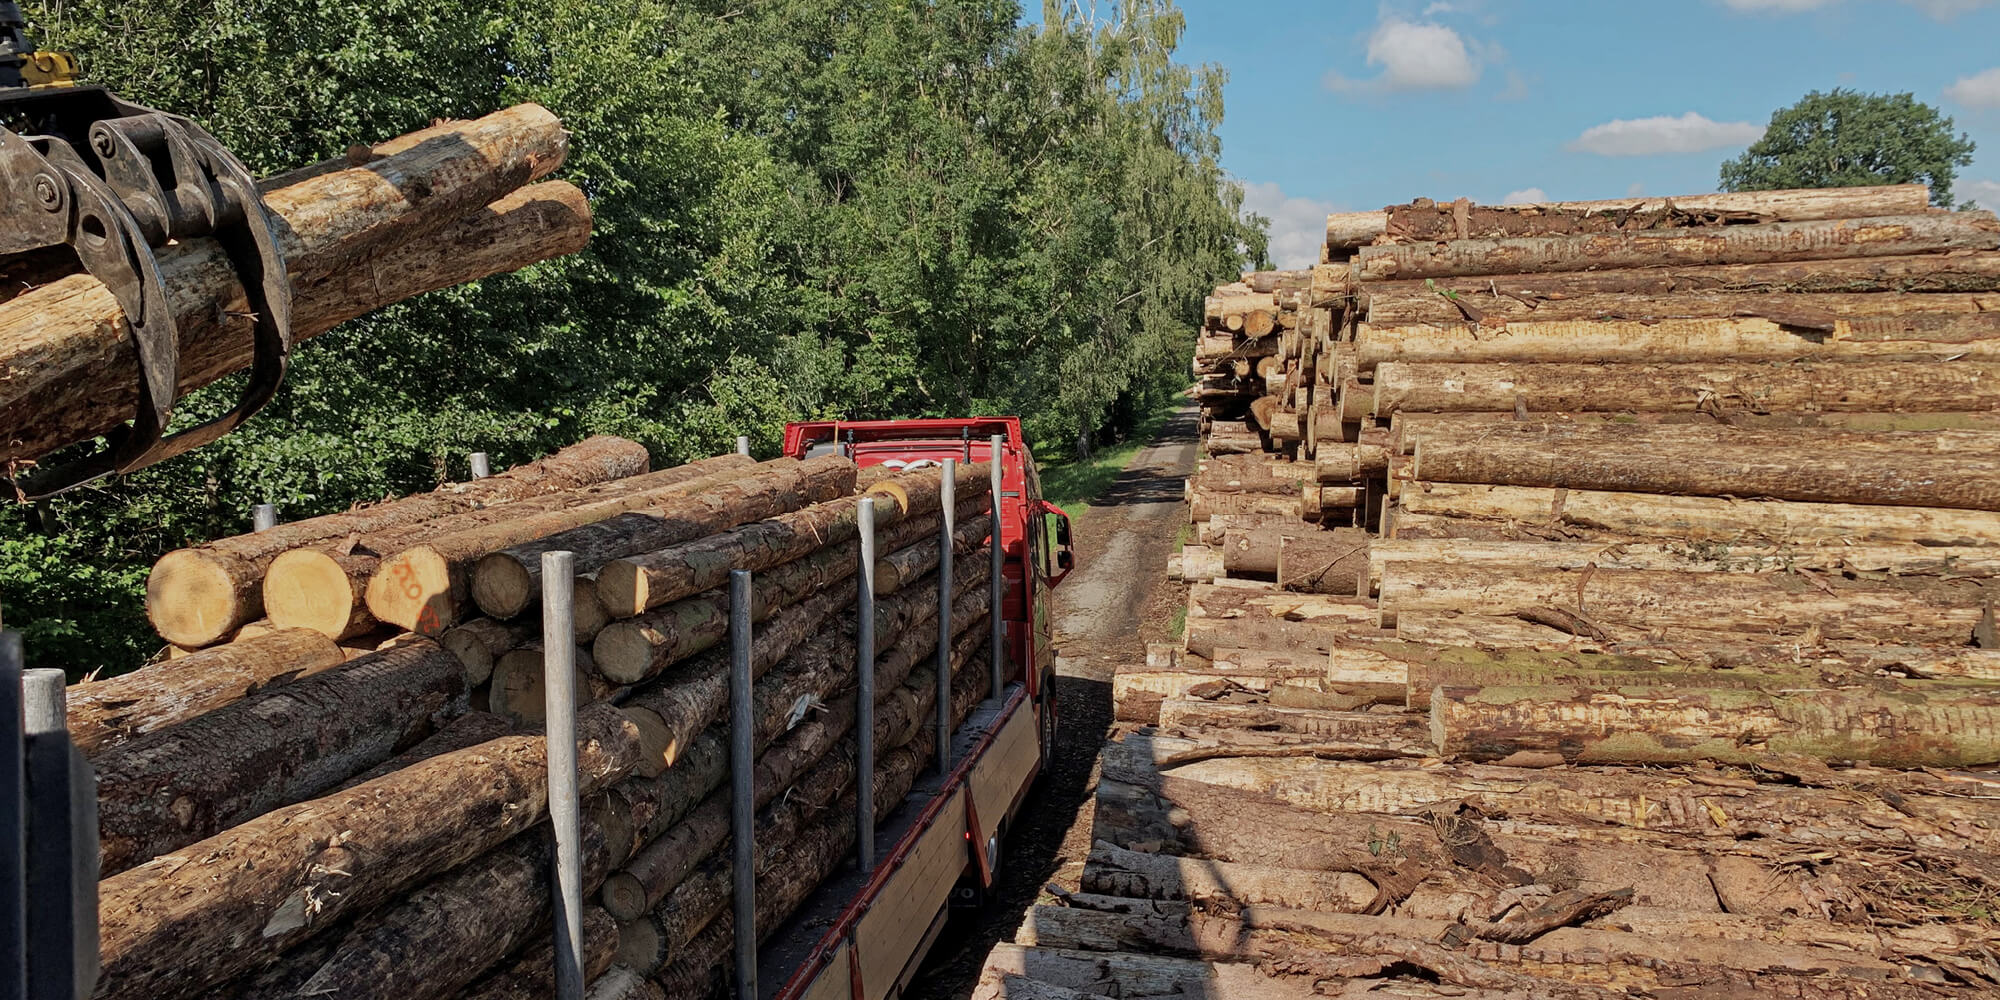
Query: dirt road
[{"x": 1116, "y": 601}]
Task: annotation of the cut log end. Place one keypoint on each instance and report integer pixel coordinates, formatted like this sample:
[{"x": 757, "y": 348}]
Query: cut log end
[
  {"x": 621, "y": 586},
  {"x": 307, "y": 588},
  {"x": 413, "y": 589},
  {"x": 624, "y": 896},
  {"x": 194, "y": 600},
  {"x": 501, "y": 586},
  {"x": 621, "y": 650}
]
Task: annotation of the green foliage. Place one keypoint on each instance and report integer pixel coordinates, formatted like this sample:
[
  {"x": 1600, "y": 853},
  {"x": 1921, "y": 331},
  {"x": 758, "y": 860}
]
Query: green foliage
[
  {"x": 804, "y": 209},
  {"x": 1849, "y": 139}
]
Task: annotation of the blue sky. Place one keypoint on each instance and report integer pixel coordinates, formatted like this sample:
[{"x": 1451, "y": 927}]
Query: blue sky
[{"x": 1339, "y": 105}]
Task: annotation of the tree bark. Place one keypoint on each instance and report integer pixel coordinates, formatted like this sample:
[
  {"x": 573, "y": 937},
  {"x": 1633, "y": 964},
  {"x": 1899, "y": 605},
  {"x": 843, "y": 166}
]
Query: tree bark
[
  {"x": 104, "y": 714},
  {"x": 508, "y": 582},
  {"x": 1932, "y": 273},
  {"x": 532, "y": 976},
  {"x": 636, "y": 649},
  {"x": 1880, "y": 236},
  {"x": 1886, "y": 386},
  {"x": 1919, "y": 337},
  {"x": 1912, "y": 469},
  {"x": 1332, "y": 562},
  {"x": 1370, "y": 735},
  {"x": 424, "y": 585},
  {"x": 1779, "y": 604},
  {"x": 189, "y": 782},
  {"x": 1802, "y": 309},
  {"x": 1859, "y": 558},
  {"x": 1350, "y": 230},
  {"x": 1699, "y": 520},
  {"x": 72, "y": 371},
  {"x": 466, "y": 731},
  {"x": 1115, "y": 871},
  {"x": 1679, "y": 725},
  {"x": 634, "y": 584},
  {"x": 1130, "y": 974},
  {"x": 910, "y": 563},
  {"x": 197, "y": 596},
  {"x": 183, "y": 923},
  {"x": 1204, "y": 505},
  {"x": 1224, "y": 439}
]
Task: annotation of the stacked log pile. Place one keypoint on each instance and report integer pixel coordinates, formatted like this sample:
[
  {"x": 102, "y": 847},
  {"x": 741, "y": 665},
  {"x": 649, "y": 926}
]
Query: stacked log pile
[
  {"x": 281, "y": 818},
  {"x": 1661, "y": 661}
]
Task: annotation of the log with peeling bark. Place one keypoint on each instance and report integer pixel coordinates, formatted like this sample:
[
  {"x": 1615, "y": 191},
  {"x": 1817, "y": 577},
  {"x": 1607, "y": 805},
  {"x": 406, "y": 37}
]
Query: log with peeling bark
[
  {"x": 1677, "y": 725},
  {"x": 197, "y": 596},
  {"x": 636, "y": 649},
  {"x": 1136, "y": 974},
  {"x": 353, "y": 240},
  {"x": 703, "y": 892},
  {"x": 507, "y": 582},
  {"x": 181, "y": 924},
  {"x": 468, "y": 730},
  {"x": 1886, "y": 386},
  {"x": 325, "y": 586},
  {"x": 1859, "y": 557},
  {"x": 632, "y": 585},
  {"x": 904, "y": 566},
  {"x": 426, "y": 587},
  {"x": 1975, "y": 271},
  {"x": 671, "y": 715},
  {"x": 1776, "y": 604},
  {"x": 1700, "y": 520},
  {"x": 1801, "y": 309},
  {"x": 1348, "y": 231},
  {"x": 1915, "y": 469},
  {"x": 1880, "y": 236},
  {"x": 103, "y": 714},
  {"x": 188, "y": 782},
  {"x": 1918, "y": 337},
  {"x": 1232, "y": 438}
]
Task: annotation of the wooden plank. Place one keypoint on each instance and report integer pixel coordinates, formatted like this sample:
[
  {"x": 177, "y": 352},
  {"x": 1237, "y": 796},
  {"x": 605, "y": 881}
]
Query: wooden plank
[
  {"x": 901, "y": 914},
  {"x": 834, "y": 982},
  {"x": 1006, "y": 767}
]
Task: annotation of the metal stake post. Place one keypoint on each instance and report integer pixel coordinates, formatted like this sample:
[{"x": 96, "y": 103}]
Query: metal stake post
[
  {"x": 13, "y": 824},
  {"x": 864, "y": 698},
  {"x": 742, "y": 769},
  {"x": 480, "y": 470},
  {"x": 264, "y": 517},
  {"x": 743, "y": 444},
  {"x": 948, "y": 501},
  {"x": 62, "y": 845},
  {"x": 997, "y": 574},
  {"x": 565, "y": 809}
]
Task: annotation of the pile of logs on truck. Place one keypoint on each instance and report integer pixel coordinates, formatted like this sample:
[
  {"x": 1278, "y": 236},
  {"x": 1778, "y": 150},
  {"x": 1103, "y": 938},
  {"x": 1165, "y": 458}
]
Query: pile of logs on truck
[
  {"x": 1650, "y": 649},
  {"x": 341, "y": 790}
]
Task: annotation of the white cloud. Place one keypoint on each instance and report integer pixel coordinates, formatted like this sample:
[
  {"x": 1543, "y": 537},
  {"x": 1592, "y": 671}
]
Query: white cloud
[
  {"x": 1986, "y": 193},
  {"x": 1635, "y": 190},
  {"x": 1298, "y": 225},
  {"x": 1414, "y": 56},
  {"x": 1689, "y": 133},
  {"x": 1525, "y": 196},
  {"x": 1980, "y": 90}
]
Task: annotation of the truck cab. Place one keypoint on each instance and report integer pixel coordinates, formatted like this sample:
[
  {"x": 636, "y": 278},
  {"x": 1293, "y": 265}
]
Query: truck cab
[{"x": 864, "y": 934}]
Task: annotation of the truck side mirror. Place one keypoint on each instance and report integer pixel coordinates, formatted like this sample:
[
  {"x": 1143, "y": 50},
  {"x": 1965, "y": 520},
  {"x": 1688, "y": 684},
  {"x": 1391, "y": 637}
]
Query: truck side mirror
[{"x": 1065, "y": 560}]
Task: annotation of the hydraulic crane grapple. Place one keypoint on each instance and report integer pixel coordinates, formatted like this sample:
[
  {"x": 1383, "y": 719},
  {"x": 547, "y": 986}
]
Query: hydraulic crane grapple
[{"x": 112, "y": 181}]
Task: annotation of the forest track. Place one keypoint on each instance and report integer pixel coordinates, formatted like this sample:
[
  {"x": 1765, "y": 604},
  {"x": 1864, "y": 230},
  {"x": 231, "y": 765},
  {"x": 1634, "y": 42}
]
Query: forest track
[{"x": 1117, "y": 600}]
